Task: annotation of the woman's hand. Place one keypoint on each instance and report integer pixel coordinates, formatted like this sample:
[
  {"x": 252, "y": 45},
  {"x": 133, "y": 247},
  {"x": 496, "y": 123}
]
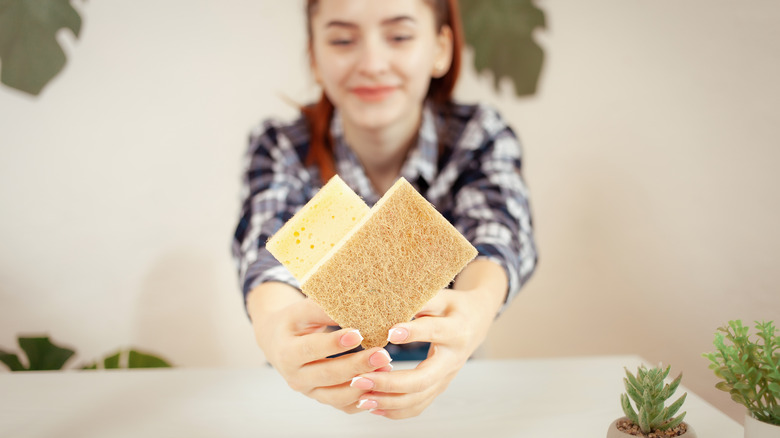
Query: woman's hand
[
  {"x": 291, "y": 330},
  {"x": 455, "y": 322}
]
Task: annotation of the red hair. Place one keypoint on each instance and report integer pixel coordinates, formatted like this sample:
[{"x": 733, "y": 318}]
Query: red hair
[{"x": 318, "y": 115}]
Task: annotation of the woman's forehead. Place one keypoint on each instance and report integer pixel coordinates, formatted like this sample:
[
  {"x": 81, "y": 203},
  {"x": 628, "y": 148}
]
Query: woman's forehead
[{"x": 365, "y": 12}]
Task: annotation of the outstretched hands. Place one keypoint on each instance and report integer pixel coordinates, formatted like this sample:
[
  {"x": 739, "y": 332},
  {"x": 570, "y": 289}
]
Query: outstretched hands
[{"x": 291, "y": 330}]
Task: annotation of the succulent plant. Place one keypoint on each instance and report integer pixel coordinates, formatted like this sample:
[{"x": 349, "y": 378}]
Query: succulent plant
[
  {"x": 750, "y": 369},
  {"x": 649, "y": 394}
]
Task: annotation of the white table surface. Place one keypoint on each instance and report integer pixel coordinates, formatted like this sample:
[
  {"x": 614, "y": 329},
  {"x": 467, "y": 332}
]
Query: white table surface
[{"x": 552, "y": 398}]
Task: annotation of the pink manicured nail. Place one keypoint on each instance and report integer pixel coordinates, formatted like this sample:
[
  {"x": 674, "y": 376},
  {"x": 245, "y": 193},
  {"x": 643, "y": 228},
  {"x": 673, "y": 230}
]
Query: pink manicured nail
[
  {"x": 367, "y": 404},
  {"x": 351, "y": 338},
  {"x": 396, "y": 335},
  {"x": 380, "y": 358},
  {"x": 361, "y": 383}
]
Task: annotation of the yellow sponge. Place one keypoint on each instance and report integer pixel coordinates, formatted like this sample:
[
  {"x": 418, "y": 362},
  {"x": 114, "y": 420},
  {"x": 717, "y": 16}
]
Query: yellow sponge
[
  {"x": 389, "y": 265},
  {"x": 317, "y": 227}
]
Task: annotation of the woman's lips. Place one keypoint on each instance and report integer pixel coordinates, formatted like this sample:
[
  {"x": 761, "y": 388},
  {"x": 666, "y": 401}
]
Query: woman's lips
[{"x": 373, "y": 94}]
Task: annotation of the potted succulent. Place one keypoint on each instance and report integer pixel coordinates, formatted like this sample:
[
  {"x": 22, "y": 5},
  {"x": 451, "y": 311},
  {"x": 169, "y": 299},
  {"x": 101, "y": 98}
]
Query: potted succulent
[
  {"x": 750, "y": 372},
  {"x": 651, "y": 418}
]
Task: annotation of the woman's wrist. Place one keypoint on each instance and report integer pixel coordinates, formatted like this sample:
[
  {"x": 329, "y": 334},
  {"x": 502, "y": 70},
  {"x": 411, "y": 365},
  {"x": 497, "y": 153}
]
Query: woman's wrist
[
  {"x": 271, "y": 297},
  {"x": 264, "y": 302},
  {"x": 487, "y": 279}
]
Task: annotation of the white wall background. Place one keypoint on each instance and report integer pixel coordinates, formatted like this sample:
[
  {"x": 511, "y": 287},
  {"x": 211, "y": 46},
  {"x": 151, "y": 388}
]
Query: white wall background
[{"x": 650, "y": 152}]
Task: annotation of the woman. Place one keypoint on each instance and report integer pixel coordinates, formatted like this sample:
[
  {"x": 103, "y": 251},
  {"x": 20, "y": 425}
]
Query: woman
[{"x": 387, "y": 70}]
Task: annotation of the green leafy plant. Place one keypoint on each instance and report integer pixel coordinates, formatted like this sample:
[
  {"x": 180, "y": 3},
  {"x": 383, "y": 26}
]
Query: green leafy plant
[
  {"x": 501, "y": 32},
  {"x": 649, "y": 394},
  {"x": 750, "y": 369},
  {"x": 29, "y": 51},
  {"x": 43, "y": 355},
  {"x": 129, "y": 359}
]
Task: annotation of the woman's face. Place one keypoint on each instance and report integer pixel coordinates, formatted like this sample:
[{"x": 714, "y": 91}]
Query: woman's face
[{"x": 375, "y": 58}]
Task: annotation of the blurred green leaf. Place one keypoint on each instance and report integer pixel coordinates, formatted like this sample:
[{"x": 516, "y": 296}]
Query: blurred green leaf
[
  {"x": 129, "y": 359},
  {"x": 111, "y": 362},
  {"x": 724, "y": 386},
  {"x": 501, "y": 34},
  {"x": 11, "y": 361},
  {"x": 737, "y": 397},
  {"x": 43, "y": 355},
  {"x": 30, "y": 53},
  {"x": 143, "y": 360}
]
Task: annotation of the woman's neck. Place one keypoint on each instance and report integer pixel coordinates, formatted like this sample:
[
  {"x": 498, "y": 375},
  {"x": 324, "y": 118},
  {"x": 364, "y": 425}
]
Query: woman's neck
[{"x": 382, "y": 152}]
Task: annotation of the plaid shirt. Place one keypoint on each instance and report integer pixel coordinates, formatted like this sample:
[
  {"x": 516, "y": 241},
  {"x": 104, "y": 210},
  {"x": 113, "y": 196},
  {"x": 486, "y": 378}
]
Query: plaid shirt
[{"x": 476, "y": 185}]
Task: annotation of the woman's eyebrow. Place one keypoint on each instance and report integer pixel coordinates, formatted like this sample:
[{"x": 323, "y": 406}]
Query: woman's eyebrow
[
  {"x": 385, "y": 22},
  {"x": 398, "y": 19},
  {"x": 339, "y": 23}
]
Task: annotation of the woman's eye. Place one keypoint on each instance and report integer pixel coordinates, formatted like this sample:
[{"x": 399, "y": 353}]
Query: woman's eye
[
  {"x": 401, "y": 38},
  {"x": 340, "y": 42}
]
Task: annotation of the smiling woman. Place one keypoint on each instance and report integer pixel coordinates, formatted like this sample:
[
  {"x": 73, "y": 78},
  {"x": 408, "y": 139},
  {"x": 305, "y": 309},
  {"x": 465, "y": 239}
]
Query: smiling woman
[
  {"x": 399, "y": 33},
  {"x": 387, "y": 72},
  {"x": 375, "y": 62}
]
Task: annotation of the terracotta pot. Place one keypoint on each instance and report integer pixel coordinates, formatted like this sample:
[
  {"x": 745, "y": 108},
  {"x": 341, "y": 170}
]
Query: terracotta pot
[
  {"x": 614, "y": 432},
  {"x": 758, "y": 429}
]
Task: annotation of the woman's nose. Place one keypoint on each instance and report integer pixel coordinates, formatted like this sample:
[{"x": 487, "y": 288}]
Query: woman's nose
[{"x": 374, "y": 57}]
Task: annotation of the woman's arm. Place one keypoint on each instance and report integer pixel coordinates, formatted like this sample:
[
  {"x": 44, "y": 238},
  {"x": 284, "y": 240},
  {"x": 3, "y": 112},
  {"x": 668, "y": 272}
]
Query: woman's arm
[
  {"x": 491, "y": 210},
  {"x": 291, "y": 331},
  {"x": 491, "y": 205},
  {"x": 289, "y": 328}
]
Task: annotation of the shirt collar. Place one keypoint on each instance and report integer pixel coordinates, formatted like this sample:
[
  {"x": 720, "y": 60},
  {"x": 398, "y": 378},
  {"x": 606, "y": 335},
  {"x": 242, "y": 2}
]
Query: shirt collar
[
  {"x": 422, "y": 158},
  {"x": 420, "y": 162}
]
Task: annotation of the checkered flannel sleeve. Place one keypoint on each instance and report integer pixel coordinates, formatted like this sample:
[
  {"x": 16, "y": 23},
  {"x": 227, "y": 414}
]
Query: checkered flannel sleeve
[
  {"x": 492, "y": 205},
  {"x": 274, "y": 186}
]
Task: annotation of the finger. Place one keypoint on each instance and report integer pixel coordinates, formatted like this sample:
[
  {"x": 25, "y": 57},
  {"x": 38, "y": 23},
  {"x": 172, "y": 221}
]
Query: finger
[
  {"x": 400, "y": 414},
  {"x": 398, "y": 406},
  {"x": 301, "y": 350},
  {"x": 343, "y": 397},
  {"x": 351, "y": 409},
  {"x": 419, "y": 379},
  {"x": 434, "y": 329},
  {"x": 338, "y": 370},
  {"x": 405, "y": 405},
  {"x": 384, "y": 401},
  {"x": 397, "y": 382}
]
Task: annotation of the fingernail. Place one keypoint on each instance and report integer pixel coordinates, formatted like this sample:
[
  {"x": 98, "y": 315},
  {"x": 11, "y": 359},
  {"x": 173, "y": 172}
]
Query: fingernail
[
  {"x": 396, "y": 335},
  {"x": 351, "y": 338},
  {"x": 367, "y": 404},
  {"x": 361, "y": 383},
  {"x": 380, "y": 358}
]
